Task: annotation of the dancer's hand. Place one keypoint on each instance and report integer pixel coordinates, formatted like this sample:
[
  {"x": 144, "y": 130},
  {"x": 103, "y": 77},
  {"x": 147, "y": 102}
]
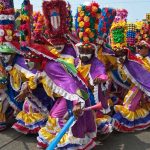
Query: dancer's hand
[
  {"x": 21, "y": 96},
  {"x": 77, "y": 110},
  {"x": 23, "y": 93},
  {"x": 98, "y": 81}
]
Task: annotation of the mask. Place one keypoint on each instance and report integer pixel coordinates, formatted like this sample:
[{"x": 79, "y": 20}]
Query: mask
[
  {"x": 6, "y": 58},
  {"x": 59, "y": 48},
  {"x": 89, "y": 56},
  {"x": 85, "y": 57},
  {"x": 31, "y": 65}
]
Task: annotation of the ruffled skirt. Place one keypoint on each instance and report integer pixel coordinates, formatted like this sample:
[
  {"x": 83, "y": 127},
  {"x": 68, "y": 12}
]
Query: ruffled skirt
[
  {"x": 126, "y": 120},
  {"x": 30, "y": 119}
]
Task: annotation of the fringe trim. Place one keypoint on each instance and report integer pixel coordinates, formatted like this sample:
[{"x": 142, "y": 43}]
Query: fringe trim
[
  {"x": 135, "y": 82},
  {"x": 62, "y": 92}
]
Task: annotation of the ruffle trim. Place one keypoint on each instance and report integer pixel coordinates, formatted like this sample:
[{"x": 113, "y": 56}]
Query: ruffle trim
[
  {"x": 104, "y": 125},
  {"x": 31, "y": 119},
  {"x": 135, "y": 82},
  {"x": 27, "y": 73},
  {"x": 128, "y": 121},
  {"x": 48, "y": 133},
  {"x": 22, "y": 129},
  {"x": 56, "y": 89}
]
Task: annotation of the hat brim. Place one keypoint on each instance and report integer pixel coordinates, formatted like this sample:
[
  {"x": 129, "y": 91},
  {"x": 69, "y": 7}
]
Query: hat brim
[
  {"x": 9, "y": 47},
  {"x": 43, "y": 51}
]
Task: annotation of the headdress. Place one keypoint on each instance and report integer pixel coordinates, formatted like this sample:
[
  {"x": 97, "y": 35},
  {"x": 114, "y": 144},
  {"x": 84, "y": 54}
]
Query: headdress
[
  {"x": 25, "y": 26},
  {"x": 30, "y": 50},
  {"x": 56, "y": 13},
  {"x": 87, "y": 19},
  {"x": 119, "y": 30},
  {"x": 144, "y": 33},
  {"x": 7, "y": 21},
  {"x": 105, "y": 22},
  {"x": 131, "y": 34}
]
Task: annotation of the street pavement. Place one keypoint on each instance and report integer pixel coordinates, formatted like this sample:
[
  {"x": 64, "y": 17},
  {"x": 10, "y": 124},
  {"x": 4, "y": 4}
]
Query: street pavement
[{"x": 12, "y": 140}]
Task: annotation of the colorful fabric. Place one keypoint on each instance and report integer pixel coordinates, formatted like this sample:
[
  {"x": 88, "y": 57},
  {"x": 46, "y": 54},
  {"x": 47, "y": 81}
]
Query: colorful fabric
[{"x": 107, "y": 17}]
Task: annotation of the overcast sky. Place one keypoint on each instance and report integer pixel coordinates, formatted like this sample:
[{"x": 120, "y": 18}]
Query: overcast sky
[{"x": 136, "y": 8}]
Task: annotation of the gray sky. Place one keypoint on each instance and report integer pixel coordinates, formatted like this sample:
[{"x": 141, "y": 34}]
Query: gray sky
[{"x": 136, "y": 8}]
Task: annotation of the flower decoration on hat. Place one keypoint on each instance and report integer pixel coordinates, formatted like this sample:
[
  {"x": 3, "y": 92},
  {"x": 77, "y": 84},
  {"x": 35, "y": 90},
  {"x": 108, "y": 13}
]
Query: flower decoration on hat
[
  {"x": 87, "y": 20},
  {"x": 131, "y": 34},
  {"x": 7, "y": 20},
  {"x": 58, "y": 20},
  {"x": 144, "y": 33},
  {"x": 69, "y": 18},
  {"x": 25, "y": 28},
  {"x": 106, "y": 20},
  {"x": 139, "y": 25},
  {"x": 39, "y": 28},
  {"x": 119, "y": 30}
]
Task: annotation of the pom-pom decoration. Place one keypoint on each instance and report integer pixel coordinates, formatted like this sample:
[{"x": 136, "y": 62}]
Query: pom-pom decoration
[
  {"x": 106, "y": 19},
  {"x": 131, "y": 34},
  {"x": 58, "y": 20},
  {"x": 119, "y": 30},
  {"x": 139, "y": 25},
  {"x": 87, "y": 19},
  {"x": 144, "y": 33},
  {"x": 121, "y": 14},
  {"x": 25, "y": 23},
  {"x": 118, "y": 35},
  {"x": 7, "y": 20},
  {"x": 39, "y": 28},
  {"x": 69, "y": 18}
]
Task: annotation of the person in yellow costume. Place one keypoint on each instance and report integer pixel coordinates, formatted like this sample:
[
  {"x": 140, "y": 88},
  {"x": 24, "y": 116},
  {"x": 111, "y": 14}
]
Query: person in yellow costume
[{"x": 26, "y": 76}]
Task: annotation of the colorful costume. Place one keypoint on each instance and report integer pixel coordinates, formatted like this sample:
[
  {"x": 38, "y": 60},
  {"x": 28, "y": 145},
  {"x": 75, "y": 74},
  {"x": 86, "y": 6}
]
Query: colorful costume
[
  {"x": 93, "y": 69},
  {"x": 134, "y": 114},
  {"x": 37, "y": 104},
  {"x": 8, "y": 48},
  {"x": 81, "y": 134}
]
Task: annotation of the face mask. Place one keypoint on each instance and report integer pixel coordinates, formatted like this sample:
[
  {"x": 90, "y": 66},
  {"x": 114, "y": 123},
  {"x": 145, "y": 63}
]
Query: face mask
[
  {"x": 59, "y": 48},
  {"x": 89, "y": 56},
  {"x": 31, "y": 65},
  {"x": 6, "y": 58}
]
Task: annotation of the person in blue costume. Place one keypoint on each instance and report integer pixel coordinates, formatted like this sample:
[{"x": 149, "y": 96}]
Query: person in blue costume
[{"x": 8, "y": 49}]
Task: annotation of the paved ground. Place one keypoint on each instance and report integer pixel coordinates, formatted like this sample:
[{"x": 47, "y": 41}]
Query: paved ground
[{"x": 11, "y": 140}]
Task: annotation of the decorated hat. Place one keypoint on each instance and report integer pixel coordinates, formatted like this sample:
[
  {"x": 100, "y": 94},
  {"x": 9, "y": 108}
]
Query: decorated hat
[
  {"x": 69, "y": 17},
  {"x": 39, "y": 28},
  {"x": 144, "y": 33},
  {"x": 139, "y": 25},
  {"x": 105, "y": 22},
  {"x": 131, "y": 34},
  {"x": 119, "y": 30},
  {"x": 29, "y": 49},
  {"x": 25, "y": 25},
  {"x": 121, "y": 14},
  {"x": 56, "y": 14},
  {"x": 87, "y": 20},
  {"x": 7, "y": 21},
  {"x": 6, "y": 6}
]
